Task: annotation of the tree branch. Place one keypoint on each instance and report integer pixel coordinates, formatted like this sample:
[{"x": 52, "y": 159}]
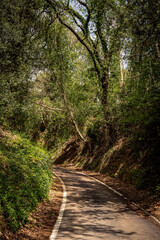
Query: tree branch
[
  {"x": 77, "y": 15},
  {"x": 88, "y": 17},
  {"x": 90, "y": 51},
  {"x": 47, "y": 107},
  {"x": 82, "y": 41},
  {"x": 84, "y": 4},
  {"x": 78, "y": 25}
]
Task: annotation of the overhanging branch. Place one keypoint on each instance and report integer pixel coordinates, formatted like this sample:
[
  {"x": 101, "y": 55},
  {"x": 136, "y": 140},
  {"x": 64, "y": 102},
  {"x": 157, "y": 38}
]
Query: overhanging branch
[{"x": 96, "y": 62}]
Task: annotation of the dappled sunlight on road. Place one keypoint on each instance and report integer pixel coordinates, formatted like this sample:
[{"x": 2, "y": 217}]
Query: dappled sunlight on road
[{"x": 95, "y": 212}]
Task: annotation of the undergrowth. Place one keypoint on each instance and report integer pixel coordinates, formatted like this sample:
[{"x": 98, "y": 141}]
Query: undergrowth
[{"x": 25, "y": 177}]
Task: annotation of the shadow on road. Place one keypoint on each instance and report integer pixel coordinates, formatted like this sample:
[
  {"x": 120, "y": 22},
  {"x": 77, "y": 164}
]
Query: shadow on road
[{"x": 95, "y": 212}]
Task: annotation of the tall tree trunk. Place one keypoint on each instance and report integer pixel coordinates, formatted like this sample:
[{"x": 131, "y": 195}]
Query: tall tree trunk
[
  {"x": 112, "y": 134},
  {"x": 104, "y": 82}
]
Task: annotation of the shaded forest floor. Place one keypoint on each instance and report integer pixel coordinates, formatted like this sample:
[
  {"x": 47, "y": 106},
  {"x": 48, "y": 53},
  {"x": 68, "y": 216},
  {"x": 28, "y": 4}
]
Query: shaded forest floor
[{"x": 41, "y": 222}]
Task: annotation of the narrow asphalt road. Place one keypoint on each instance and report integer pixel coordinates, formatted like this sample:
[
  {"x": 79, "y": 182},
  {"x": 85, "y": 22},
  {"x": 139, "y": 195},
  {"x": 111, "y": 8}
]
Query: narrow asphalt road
[{"x": 94, "y": 212}]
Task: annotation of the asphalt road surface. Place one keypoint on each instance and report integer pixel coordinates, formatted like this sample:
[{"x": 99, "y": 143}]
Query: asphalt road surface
[{"x": 93, "y": 212}]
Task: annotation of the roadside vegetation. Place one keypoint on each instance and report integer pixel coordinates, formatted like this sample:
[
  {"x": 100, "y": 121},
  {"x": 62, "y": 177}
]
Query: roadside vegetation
[{"x": 25, "y": 179}]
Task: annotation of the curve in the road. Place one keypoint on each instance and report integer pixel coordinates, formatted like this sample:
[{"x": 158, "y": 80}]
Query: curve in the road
[
  {"x": 150, "y": 216},
  {"x": 94, "y": 212}
]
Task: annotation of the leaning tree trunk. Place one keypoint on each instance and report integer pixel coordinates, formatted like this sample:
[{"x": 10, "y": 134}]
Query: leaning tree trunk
[
  {"x": 72, "y": 118},
  {"x": 70, "y": 112},
  {"x": 68, "y": 107}
]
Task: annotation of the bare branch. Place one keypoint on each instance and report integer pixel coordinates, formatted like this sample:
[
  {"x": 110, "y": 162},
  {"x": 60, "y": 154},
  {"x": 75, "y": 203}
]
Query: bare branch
[
  {"x": 88, "y": 17},
  {"x": 47, "y": 107},
  {"x": 91, "y": 51},
  {"x": 83, "y": 3},
  {"x": 77, "y": 15},
  {"x": 96, "y": 64},
  {"x": 78, "y": 25}
]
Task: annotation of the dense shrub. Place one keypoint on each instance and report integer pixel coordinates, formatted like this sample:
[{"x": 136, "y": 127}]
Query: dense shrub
[
  {"x": 25, "y": 177},
  {"x": 95, "y": 130}
]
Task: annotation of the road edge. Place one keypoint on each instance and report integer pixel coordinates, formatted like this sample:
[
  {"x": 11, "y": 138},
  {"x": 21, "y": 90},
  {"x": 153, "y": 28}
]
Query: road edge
[
  {"x": 150, "y": 216},
  {"x": 61, "y": 212}
]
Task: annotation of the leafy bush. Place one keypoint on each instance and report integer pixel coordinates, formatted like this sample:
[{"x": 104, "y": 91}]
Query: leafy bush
[
  {"x": 158, "y": 189},
  {"x": 94, "y": 130},
  {"x": 25, "y": 178},
  {"x": 138, "y": 178}
]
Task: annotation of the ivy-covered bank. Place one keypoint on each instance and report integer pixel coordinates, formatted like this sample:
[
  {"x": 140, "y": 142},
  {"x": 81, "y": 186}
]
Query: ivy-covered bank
[{"x": 25, "y": 178}]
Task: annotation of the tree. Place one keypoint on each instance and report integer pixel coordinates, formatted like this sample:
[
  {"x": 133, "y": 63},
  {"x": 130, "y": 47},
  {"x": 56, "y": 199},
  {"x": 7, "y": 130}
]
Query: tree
[
  {"x": 97, "y": 26},
  {"x": 141, "y": 101},
  {"x": 18, "y": 48},
  {"x": 61, "y": 58}
]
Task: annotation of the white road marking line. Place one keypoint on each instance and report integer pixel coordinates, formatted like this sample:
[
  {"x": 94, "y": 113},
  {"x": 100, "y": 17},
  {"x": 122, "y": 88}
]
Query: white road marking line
[
  {"x": 103, "y": 184},
  {"x": 149, "y": 215},
  {"x": 110, "y": 188},
  {"x": 60, "y": 216},
  {"x": 59, "y": 219}
]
